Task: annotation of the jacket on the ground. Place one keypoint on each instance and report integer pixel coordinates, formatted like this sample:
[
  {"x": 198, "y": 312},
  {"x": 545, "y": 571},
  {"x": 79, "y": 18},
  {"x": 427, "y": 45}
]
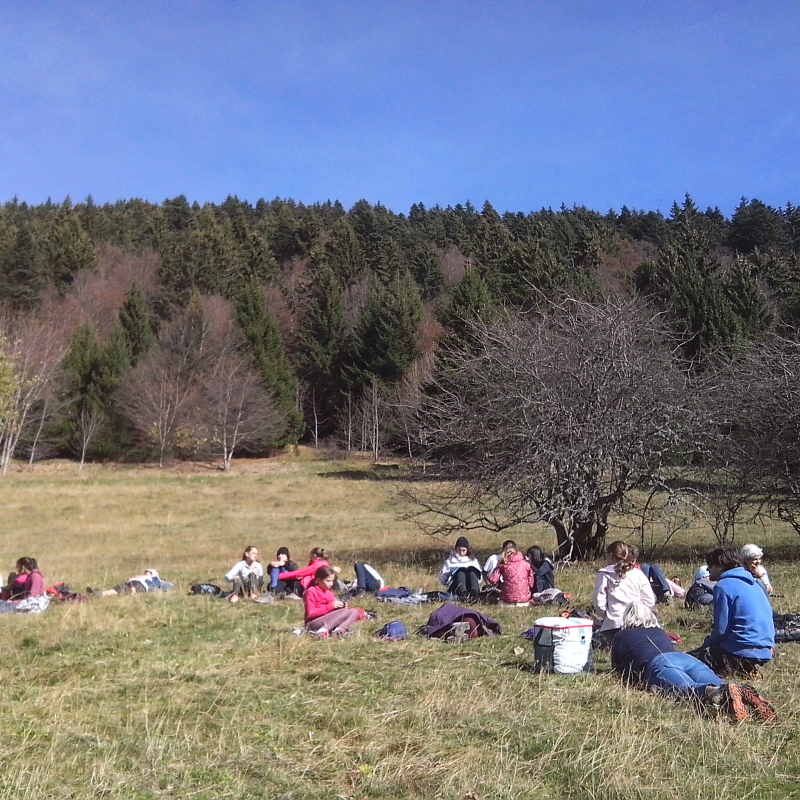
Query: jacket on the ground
[
  {"x": 517, "y": 579},
  {"x": 614, "y": 593},
  {"x": 743, "y": 624}
]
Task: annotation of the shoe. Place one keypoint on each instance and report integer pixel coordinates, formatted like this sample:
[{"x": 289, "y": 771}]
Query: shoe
[
  {"x": 337, "y": 634},
  {"x": 735, "y": 704},
  {"x": 291, "y": 596},
  {"x": 234, "y": 598},
  {"x": 265, "y": 598},
  {"x": 765, "y": 711},
  {"x": 320, "y": 634}
]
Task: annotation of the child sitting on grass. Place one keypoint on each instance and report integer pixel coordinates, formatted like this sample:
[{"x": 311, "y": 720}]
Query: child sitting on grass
[
  {"x": 325, "y": 615},
  {"x": 247, "y": 576},
  {"x": 316, "y": 559},
  {"x": 515, "y": 576}
]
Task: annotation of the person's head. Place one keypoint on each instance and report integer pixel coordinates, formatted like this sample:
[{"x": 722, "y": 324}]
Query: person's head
[
  {"x": 250, "y": 554},
  {"x": 317, "y": 554},
  {"x": 618, "y": 555},
  {"x": 633, "y": 553},
  {"x": 462, "y": 547},
  {"x": 535, "y": 555},
  {"x": 283, "y": 554},
  {"x": 751, "y": 555},
  {"x": 509, "y": 548},
  {"x": 639, "y": 615},
  {"x": 26, "y": 565},
  {"x": 325, "y": 577},
  {"x": 720, "y": 560}
]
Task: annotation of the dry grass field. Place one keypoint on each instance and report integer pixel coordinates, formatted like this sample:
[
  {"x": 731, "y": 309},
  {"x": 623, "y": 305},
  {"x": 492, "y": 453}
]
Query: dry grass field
[{"x": 172, "y": 696}]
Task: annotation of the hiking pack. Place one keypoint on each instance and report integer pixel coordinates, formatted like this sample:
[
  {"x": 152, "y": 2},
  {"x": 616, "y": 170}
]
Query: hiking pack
[
  {"x": 456, "y": 624},
  {"x": 392, "y": 632},
  {"x": 207, "y": 589},
  {"x": 562, "y": 645}
]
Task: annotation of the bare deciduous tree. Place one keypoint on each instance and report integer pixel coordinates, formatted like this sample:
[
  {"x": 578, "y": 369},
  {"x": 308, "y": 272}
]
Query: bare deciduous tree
[
  {"x": 33, "y": 348},
  {"x": 554, "y": 418}
]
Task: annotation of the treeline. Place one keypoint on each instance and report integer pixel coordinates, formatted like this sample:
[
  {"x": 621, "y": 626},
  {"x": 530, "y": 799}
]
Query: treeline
[{"x": 137, "y": 329}]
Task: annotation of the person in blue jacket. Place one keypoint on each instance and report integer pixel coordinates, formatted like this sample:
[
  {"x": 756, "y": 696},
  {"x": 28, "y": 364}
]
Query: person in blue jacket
[{"x": 743, "y": 635}]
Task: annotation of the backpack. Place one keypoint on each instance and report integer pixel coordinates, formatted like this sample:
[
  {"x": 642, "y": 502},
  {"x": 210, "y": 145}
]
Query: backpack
[
  {"x": 392, "y": 632},
  {"x": 787, "y": 627},
  {"x": 562, "y": 645},
  {"x": 61, "y": 592},
  {"x": 207, "y": 589}
]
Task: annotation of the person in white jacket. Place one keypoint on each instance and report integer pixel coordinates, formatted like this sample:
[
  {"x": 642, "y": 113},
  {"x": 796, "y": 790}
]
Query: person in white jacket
[
  {"x": 247, "y": 575},
  {"x": 461, "y": 572},
  {"x": 618, "y": 585}
]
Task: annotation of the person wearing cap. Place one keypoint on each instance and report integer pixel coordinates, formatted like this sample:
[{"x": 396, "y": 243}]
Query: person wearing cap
[
  {"x": 751, "y": 555},
  {"x": 461, "y": 572}
]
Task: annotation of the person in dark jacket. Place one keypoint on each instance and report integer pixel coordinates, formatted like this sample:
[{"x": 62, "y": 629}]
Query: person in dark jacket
[
  {"x": 642, "y": 654},
  {"x": 742, "y": 638},
  {"x": 542, "y": 569}
]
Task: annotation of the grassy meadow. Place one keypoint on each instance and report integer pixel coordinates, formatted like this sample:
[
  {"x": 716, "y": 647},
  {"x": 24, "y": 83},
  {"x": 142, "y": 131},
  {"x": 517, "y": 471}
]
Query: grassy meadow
[{"x": 172, "y": 696}]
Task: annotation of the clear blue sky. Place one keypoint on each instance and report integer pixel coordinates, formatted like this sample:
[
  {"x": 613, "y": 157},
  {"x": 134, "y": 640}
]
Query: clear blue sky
[{"x": 525, "y": 103}]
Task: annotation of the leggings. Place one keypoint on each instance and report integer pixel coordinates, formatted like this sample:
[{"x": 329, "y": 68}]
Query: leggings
[
  {"x": 339, "y": 620},
  {"x": 465, "y": 582}
]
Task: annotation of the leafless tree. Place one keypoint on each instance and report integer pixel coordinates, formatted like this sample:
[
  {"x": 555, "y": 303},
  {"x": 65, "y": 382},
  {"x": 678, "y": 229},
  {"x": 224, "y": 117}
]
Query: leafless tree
[
  {"x": 34, "y": 348},
  {"x": 556, "y": 417},
  {"x": 234, "y": 406},
  {"x": 88, "y": 423}
]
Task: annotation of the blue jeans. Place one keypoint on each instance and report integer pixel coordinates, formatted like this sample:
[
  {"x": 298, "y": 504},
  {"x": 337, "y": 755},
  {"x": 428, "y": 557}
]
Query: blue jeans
[
  {"x": 680, "y": 674},
  {"x": 364, "y": 579},
  {"x": 658, "y": 582}
]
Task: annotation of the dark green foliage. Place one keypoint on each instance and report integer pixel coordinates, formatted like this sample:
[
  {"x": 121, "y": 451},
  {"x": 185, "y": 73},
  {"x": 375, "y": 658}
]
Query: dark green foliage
[
  {"x": 427, "y": 272},
  {"x": 267, "y": 352},
  {"x": 22, "y": 276},
  {"x": 67, "y": 247},
  {"x": 755, "y": 225},
  {"x": 322, "y": 343},
  {"x": 134, "y": 320},
  {"x": 343, "y": 253},
  {"x": 384, "y": 342}
]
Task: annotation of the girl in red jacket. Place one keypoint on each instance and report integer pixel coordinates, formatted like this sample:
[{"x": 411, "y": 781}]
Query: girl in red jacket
[
  {"x": 325, "y": 615},
  {"x": 316, "y": 559},
  {"x": 516, "y": 575}
]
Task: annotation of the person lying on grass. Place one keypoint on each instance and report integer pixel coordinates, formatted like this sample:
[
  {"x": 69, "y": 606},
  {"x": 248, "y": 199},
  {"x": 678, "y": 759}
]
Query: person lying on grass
[
  {"x": 742, "y": 638},
  {"x": 247, "y": 576},
  {"x": 148, "y": 581},
  {"x": 643, "y": 655},
  {"x": 325, "y": 615}
]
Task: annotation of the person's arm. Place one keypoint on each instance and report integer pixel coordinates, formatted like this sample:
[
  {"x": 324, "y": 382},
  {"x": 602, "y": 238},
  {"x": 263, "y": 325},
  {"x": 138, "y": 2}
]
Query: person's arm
[
  {"x": 600, "y": 596},
  {"x": 645, "y": 590},
  {"x": 496, "y": 576},
  {"x": 444, "y": 573},
  {"x": 234, "y": 571},
  {"x": 296, "y": 574},
  {"x": 721, "y": 616},
  {"x": 37, "y": 587}
]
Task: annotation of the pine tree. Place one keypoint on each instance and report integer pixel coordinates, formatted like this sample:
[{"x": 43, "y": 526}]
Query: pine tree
[
  {"x": 322, "y": 340},
  {"x": 266, "y": 349},
  {"x": 384, "y": 342},
  {"x": 67, "y": 247},
  {"x": 427, "y": 272},
  {"x": 21, "y": 270},
  {"x": 134, "y": 319},
  {"x": 343, "y": 253},
  {"x": 470, "y": 303}
]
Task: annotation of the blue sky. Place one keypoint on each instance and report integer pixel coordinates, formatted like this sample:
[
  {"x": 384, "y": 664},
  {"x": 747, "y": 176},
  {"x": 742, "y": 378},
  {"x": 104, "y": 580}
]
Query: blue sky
[{"x": 526, "y": 104}]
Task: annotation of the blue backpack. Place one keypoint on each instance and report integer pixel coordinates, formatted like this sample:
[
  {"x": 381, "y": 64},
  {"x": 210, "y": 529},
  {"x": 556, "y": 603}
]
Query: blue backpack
[{"x": 392, "y": 632}]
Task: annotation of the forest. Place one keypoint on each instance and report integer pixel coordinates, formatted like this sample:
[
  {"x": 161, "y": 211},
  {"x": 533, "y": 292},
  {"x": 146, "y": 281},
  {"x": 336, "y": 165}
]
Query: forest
[{"x": 139, "y": 331}]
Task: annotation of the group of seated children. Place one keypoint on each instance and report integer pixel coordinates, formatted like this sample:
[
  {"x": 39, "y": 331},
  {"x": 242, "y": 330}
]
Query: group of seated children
[
  {"x": 520, "y": 577},
  {"x": 742, "y": 638},
  {"x": 701, "y": 592}
]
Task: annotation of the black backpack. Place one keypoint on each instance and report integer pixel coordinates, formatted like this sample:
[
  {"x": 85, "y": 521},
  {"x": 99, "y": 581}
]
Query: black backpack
[
  {"x": 787, "y": 627},
  {"x": 207, "y": 589}
]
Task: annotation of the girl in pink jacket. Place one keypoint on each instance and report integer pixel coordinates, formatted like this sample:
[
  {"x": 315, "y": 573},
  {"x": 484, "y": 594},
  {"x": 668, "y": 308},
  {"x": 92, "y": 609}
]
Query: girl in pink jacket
[{"x": 515, "y": 576}]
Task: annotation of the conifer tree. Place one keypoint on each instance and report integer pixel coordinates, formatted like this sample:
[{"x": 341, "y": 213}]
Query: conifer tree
[
  {"x": 67, "y": 247},
  {"x": 264, "y": 343},
  {"x": 134, "y": 319},
  {"x": 343, "y": 253}
]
